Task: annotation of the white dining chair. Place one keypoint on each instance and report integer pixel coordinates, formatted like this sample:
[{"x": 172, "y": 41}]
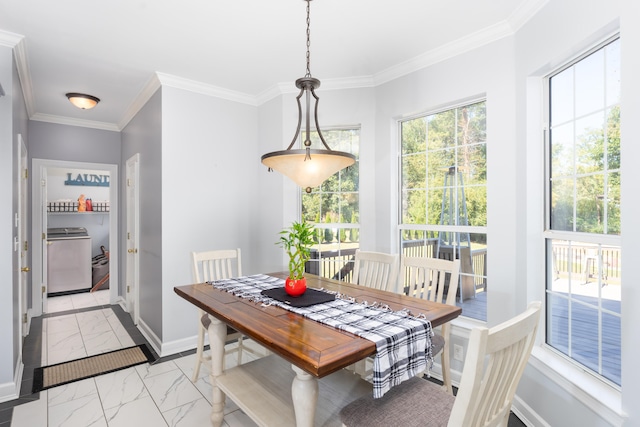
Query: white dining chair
[
  {"x": 208, "y": 266},
  {"x": 375, "y": 270},
  {"x": 495, "y": 361},
  {"x": 435, "y": 280}
]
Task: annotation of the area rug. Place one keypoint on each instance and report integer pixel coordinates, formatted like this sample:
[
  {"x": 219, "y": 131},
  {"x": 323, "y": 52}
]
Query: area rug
[{"x": 67, "y": 372}]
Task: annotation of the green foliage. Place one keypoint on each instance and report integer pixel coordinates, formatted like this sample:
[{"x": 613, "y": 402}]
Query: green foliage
[
  {"x": 590, "y": 190},
  {"x": 297, "y": 241},
  {"x": 337, "y": 197},
  {"x": 328, "y": 232},
  {"x": 430, "y": 146}
]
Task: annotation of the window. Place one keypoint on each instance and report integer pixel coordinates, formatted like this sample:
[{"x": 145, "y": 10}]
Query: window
[
  {"x": 582, "y": 236},
  {"x": 334, "y": 209},
  {"x": 443, "y": 211}
]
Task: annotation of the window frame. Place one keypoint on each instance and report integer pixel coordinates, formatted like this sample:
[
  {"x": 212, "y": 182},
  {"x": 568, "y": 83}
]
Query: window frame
[
  {"x": 548, "y": 354},
  {"x": 463, "y": 320},
  {"x": 337, "y": 226}
]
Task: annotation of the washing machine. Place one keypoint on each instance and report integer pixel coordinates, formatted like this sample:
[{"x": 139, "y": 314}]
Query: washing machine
[{"x": 68, "y": 261}]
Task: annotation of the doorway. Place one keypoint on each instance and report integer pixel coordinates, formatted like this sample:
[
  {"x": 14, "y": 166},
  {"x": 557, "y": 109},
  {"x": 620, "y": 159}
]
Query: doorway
[{"x": 41, "y": 172}]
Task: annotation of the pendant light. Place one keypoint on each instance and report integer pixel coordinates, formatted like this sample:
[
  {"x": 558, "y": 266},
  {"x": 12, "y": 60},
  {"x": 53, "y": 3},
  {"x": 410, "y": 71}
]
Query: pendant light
[{"x": 308, "y": 167}]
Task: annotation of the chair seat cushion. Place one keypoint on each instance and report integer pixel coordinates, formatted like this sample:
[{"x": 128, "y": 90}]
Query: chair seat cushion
[
  {"x": 438, "y": 343},
  {"x": 414, "y": 403}
]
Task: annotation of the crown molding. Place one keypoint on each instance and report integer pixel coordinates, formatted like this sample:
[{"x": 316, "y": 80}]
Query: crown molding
[
  {"x": 446, "y": 51},
  {"x": 17, "y": 43},
  {"x": 50, "y": 118},
  {"x": 152, "y": 85},
  {"x": 9, "y": 39},
  {"x": 205, "y": 89},
  {"x": 328, "y": 84},
  {"x": 506, "y": 28}
]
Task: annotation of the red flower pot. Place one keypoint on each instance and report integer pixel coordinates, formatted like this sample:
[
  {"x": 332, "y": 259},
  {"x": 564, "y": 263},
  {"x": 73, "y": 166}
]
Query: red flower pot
[{"x": 295, "y": 288}]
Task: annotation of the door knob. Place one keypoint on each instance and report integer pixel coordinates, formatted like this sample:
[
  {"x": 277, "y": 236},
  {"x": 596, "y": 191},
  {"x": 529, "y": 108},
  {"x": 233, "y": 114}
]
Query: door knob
[{"x": 25, "y": 269}]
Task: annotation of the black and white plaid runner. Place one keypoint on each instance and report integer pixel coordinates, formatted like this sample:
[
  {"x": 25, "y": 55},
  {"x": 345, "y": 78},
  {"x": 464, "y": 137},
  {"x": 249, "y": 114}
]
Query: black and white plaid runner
[{"x": 403, "y": 342}]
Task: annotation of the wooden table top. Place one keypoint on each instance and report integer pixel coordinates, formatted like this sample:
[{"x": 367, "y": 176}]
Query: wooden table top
[{"x": 318, "y": 349}]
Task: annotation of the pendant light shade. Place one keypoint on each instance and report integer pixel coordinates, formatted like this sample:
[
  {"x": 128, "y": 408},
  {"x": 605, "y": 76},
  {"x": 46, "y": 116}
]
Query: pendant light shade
[
  {"x": 308, "y": 167},
  {"x": 83, "y": 101},
  {"x": 308, "y": 172}
]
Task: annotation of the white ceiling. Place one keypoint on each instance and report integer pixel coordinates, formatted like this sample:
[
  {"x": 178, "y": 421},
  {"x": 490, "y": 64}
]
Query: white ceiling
[{"x": 250, "y": 50}]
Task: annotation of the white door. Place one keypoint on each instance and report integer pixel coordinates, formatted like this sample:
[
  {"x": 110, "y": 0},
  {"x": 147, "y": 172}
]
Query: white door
[
  {"x": 21, "y": 240},
  {"x": 133, "y": 219},
  {"x": 42, "y": 206}
]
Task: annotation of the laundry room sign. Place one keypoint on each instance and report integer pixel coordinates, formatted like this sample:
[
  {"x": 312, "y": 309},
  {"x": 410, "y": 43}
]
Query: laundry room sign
[{"x": 87, "y": 179}]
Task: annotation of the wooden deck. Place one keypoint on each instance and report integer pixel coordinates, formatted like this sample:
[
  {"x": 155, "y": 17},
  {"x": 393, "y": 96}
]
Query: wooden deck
[{"x": 584, "y": 329}]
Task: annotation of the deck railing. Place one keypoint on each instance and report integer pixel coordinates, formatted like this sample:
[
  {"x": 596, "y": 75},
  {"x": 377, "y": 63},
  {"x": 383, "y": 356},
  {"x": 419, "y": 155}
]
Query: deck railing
[
  {"x": 338, "y": 264},
  {"x": 580, "y": 260}
]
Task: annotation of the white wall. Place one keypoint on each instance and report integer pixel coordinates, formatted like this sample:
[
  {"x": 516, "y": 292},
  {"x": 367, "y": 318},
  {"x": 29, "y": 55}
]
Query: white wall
[
  {"x": 629, "y": 18},
  {"x": 209, "y": 175},
  {"x": 487, "y": 71},
  {"x": 551, "y": 389}
]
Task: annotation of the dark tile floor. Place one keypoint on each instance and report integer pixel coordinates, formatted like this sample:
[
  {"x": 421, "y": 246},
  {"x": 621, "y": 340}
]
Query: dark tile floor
[{"x": 32, "y": 355}]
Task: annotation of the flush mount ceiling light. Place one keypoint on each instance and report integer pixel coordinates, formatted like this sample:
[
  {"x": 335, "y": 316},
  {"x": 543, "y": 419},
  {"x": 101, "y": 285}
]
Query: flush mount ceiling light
[
  {"x": 308, "y": 167},
  {"x": 83, "y": 101}
]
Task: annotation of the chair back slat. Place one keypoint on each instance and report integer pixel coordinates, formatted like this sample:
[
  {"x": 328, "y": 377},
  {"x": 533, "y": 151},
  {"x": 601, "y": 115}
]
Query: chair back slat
[
  {"x": 375, "y": 270},
  {"x": 216, "y": 265},
  {"x": 429, "y": 278}
]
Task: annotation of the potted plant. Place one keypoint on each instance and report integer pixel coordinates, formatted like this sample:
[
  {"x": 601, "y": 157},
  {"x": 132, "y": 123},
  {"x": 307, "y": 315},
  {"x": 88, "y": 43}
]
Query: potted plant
[{"x": 297, "y": 241}]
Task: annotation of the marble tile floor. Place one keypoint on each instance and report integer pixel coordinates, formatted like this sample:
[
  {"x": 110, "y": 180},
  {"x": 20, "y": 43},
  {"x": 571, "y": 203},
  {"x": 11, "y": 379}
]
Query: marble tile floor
[{"x": 160, "y": 394}]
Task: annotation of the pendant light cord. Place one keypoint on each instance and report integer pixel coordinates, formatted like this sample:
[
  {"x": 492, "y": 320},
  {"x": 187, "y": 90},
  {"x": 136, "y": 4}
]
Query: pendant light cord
[{"x": 308, "y": 39}]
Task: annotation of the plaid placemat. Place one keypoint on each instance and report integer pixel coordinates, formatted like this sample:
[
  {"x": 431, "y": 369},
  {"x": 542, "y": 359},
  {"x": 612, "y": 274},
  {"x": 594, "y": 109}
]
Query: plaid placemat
[{"x": 403, "y": 342}]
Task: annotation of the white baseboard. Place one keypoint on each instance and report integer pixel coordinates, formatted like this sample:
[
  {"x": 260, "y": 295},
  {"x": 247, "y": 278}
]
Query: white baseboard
[
  {"x": 178, "y": 346},
  {"x": 29, "y": 316},
  {"x": 152, "y": 338},
  {"x": 526, "y": 414},
  {"x": 11, "y": 390}
]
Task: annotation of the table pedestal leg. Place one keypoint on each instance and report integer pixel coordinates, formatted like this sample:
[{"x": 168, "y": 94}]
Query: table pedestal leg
[
  {"x": 217, "y": 338},
  {"x": 304, "y": 393}
]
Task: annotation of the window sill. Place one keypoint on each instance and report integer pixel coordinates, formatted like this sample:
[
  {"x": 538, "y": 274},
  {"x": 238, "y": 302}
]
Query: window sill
[{"x": 592, "y": 392}]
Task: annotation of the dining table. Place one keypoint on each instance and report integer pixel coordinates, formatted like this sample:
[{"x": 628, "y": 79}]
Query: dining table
[{"x": 302, "y": 381}]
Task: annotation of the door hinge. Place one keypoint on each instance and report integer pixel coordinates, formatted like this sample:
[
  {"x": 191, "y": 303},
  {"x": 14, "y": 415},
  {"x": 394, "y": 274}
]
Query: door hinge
[
  {"x": 44, "y": 289},
  {"x": 129, "y": 182},
  {"x": 26, "y": 246},
  {"x": 128, "y": 288},
  {"x": 26, "y": 174},
  {"x": 44, "y": 236},
  {"x": 24, "y": 318},
  {"x": 128, "y": 236}
]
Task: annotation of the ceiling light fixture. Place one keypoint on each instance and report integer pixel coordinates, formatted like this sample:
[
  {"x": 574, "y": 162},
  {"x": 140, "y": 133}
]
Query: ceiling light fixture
[
  {"x": 83, "y": 101},
  {"x": 308, "y": 167}
]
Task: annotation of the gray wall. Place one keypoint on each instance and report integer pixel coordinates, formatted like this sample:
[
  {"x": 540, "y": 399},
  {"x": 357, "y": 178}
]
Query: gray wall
[
  {"x": 12, "y": 123},
  {"x": 143, "y": 135},
  {"x": 8, "y": 307},
  {"x": 53, "y": 141}
]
